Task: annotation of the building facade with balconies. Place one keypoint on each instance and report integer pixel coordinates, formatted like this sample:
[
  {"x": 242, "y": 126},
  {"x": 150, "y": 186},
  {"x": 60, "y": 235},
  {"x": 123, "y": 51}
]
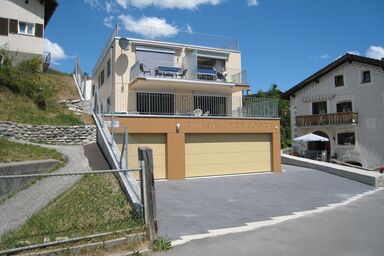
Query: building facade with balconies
[
  {"x": 343, "y": 102},
  {"x": 183, "y": 97}
]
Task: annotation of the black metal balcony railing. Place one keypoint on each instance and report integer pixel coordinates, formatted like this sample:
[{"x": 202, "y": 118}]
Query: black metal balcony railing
[
  {"x": 194, "y": 105},
  {"x": 349, "y": 118}
]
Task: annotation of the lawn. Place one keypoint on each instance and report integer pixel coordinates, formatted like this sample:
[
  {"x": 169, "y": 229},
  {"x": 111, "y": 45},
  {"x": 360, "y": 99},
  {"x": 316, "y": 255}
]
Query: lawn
[
  {"x": 94, "y": 205},
  {"x": 33, "y": 99},
  {"x": 15, "y": 152}
]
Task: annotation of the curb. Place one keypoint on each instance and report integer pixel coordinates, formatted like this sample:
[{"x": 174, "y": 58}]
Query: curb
[{"x": 81, "y": 249}]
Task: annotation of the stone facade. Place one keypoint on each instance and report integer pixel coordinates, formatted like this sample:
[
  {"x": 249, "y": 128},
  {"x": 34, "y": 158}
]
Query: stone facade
[{"x": 49, "y": 134}]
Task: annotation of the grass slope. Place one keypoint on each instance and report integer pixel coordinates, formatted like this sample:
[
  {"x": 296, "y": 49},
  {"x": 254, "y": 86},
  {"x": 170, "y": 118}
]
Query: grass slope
[
  {"x": 14, "y": 152},
  {"x": 22, "y": 109},
  {"x": 95, "y": 205}
]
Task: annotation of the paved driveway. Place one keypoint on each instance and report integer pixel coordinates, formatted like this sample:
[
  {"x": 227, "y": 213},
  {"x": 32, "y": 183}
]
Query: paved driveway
[{"x": 194, "y": 206}]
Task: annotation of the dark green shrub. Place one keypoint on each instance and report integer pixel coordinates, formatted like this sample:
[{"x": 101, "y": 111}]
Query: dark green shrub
[{"x": 24, "y": 78}]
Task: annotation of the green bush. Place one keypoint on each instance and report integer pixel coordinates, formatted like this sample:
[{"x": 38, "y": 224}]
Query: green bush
[{"x": 24, "y": 78}]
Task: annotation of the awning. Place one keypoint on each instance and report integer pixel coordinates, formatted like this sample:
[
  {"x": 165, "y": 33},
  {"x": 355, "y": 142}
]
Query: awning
[{"x": 310, "y": 137}]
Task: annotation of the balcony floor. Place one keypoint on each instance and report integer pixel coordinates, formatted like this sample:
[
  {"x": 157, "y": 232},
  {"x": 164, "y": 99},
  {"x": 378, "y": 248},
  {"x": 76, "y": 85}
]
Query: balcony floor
[{"x": 185, "y": 84}]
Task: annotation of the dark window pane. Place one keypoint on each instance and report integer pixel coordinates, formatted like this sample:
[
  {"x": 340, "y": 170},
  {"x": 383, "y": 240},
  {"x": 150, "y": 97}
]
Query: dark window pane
[
  {"x": 366, "y": 77},
  {"x": 319, "y": 108},
  {"x": 109, "y": 68},
  {"x": 39, "y": 30},
  {"x": 344, "y": 107},
  {"x": 346, "y": 138},
  {"x": 13, "y": 26},
  {"x": 102, "y": 77},
  {"x": 3, "y": 26},
  {"x": 339, "y": 81}
]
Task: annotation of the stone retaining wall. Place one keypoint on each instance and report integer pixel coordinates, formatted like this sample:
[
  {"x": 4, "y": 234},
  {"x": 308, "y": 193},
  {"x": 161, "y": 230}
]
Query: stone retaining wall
[{"x": 49, "y": 134}]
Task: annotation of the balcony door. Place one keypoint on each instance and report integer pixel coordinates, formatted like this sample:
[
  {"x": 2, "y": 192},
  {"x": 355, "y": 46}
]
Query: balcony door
[{"x": 319, "y": 108}]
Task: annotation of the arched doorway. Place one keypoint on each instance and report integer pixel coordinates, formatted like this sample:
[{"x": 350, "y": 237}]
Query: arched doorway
[{"x": 321, "y": 145}]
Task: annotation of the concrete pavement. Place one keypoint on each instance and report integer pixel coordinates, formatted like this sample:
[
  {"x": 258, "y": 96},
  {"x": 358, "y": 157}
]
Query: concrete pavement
[
  {"x": 195, "y": 206},
  {"x": 17, "y": 209},
  {"x": 355, "y": 229}
]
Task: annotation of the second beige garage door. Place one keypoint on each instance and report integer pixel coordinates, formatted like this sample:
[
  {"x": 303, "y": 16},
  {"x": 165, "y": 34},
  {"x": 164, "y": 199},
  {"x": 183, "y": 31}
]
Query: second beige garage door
[{"x": 220, "y": 154}]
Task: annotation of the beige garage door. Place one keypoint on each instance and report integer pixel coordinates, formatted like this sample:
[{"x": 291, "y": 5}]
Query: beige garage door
[
  {"x": 158, "y": 144},
  {"x": 220, "y": 154}
]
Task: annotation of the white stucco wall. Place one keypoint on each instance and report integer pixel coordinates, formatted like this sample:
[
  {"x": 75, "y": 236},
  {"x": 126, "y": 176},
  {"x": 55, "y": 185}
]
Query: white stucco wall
[
  {"x": 32, "y": 12},
  {"x": 367, "y": 101}
]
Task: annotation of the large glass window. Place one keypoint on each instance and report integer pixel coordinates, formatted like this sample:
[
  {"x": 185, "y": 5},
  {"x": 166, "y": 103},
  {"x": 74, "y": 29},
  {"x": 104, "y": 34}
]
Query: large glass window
[
  {"x": 319, "y": 108},
  {"x": 347, "y": 138},
  {"x": 211, "y": 105},
  {"x": 152, "y": 60},
  {"x": 155, "y": 103},
  {"x": 208, "y": 69}
]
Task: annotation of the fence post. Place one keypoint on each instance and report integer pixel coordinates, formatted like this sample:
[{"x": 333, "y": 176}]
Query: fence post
[{"x": 148, "y": 191}]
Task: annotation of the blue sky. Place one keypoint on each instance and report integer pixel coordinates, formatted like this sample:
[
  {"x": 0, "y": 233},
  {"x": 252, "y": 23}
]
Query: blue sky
[{"x": 282, "y": 41}]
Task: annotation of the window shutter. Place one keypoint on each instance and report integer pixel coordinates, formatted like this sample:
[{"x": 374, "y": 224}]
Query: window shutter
[
  {"x": 3, "y": 26},
  {"x": 39, "y": 30},
  {"x": 13, "y": 26}
]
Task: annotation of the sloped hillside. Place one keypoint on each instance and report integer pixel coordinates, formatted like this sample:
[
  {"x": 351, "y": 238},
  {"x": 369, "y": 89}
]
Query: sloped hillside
[{"x": 32, "y": 97}]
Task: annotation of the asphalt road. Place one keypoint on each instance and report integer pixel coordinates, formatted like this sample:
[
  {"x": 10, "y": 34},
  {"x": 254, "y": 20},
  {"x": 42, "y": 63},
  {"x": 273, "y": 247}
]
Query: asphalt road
[
  {"x": 356, "y": 229},
  {"x": 195, "y": 206}
]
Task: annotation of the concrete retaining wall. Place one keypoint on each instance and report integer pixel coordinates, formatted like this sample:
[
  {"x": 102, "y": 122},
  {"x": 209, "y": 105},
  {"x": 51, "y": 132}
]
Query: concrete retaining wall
[
  {"x": 49, "y": 134},
  {"x": 367, "y": 177},
  {"x": 8, "y": 186}
]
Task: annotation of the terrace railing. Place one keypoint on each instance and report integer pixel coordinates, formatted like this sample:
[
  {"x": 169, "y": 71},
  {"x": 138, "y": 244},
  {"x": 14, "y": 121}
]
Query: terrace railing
[
  {"x": 349, "y": 118},
  {"x": 174, "y": 35},
  {"x": 197, "y": 105},
  {"x": 171, "y": 70}
]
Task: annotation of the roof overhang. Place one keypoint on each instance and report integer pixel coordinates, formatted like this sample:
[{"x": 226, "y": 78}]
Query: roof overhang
[{"x": 49, "y": 8}]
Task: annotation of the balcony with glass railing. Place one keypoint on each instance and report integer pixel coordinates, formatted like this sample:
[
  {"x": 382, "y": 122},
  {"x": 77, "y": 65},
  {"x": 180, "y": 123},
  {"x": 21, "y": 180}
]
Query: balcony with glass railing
[
  {"x": 179, "y": 72},
  {"x": 197, "y": 105}
]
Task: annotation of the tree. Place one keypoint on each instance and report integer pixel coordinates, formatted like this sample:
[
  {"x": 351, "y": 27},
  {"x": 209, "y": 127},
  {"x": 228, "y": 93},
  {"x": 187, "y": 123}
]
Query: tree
[{"x": 284, "y": 113}]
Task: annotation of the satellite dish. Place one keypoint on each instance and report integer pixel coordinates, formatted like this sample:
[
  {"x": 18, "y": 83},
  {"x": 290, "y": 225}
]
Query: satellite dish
[{"x": 124, "y": 43}]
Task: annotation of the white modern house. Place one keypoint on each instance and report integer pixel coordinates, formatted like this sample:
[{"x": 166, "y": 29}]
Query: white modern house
[
  {"x": 343, "y": 102},
  {"x": 182, "y": 96},
  {"x": 22, "y": 24}
]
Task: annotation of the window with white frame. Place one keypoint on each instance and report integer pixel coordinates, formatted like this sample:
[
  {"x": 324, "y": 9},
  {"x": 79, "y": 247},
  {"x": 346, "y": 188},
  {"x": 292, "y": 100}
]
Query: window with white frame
[{"x": 26, "y": 28}]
